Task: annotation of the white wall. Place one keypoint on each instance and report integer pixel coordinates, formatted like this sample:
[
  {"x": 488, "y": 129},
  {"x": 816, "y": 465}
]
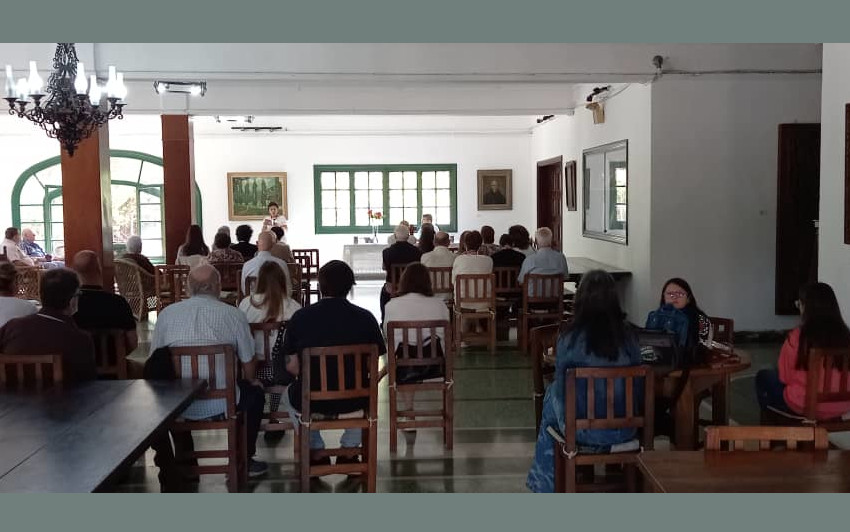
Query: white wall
[
  {"x": 714, "y": 175},
  {"x": 216, "y": 155},
  {"x": 834, "y": 255},
  {"x": 627, "y": 117}
]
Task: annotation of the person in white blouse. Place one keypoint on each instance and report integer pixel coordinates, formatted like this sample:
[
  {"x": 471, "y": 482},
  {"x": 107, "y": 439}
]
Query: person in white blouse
[
  {"x": 416, "y": 302},
  {"x": 275, "y": 218},
  {"x": 194, "y": 251},
  {"x": 472, "y": 261}
]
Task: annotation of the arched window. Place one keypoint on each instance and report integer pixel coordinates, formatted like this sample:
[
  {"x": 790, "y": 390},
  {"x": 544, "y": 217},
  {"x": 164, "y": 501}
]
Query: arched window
[{"x": 137, "y": 207}]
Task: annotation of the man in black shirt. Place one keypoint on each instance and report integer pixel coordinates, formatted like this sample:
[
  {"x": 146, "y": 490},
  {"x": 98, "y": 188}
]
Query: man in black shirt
[
  {"x": 244, "y": 246},
  {"x": 507, "y": 256},
  {"x": 401, "y": 252},
  {"x": 97, "y": 308},
  {"x": 331, "y": 321}
]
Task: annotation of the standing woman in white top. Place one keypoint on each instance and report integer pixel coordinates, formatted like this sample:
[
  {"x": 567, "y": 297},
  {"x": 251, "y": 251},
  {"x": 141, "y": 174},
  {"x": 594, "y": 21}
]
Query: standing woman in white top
[
  {"x": 270, "y": 303},
  {"x": 194, "y": 251},
  {"x": 416, "y": 302},
  {"x": 275, "y": 218}
]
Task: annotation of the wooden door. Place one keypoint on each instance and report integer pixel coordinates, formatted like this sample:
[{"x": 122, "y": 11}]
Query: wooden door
[
  {"x": 550, "y": 193},
  {"x": 797, "y": 212}
]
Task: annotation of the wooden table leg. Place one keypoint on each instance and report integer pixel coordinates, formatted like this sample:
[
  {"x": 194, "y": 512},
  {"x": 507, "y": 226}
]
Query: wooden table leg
[
  {"x": 685, "y": 421},
  {"x": 720, "y": 401}
]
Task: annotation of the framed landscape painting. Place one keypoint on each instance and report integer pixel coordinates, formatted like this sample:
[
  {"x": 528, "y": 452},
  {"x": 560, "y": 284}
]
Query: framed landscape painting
[{"x": 249, "y": 194}]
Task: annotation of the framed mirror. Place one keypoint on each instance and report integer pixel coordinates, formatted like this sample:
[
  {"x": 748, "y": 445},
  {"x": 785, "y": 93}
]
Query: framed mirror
[{"x": 605, "y": 171}]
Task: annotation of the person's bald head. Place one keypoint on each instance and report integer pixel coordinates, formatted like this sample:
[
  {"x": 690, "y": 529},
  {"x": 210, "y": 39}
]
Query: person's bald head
[
  {"x": 205, "y": 281},
  {"x": 265, "y": 241},
  {"x": 28, "y": 235},
  {"x": 87, "y": 266},
  {"x": 442, "y": 239}
]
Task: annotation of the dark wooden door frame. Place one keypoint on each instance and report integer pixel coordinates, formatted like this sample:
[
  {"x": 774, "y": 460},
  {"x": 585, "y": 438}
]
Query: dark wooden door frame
[{"x": 556, "y": 164}]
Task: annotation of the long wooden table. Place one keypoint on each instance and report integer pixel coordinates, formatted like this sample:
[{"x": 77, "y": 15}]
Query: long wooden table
[
  {"x": 746, "y": 471},
  {"x": 578, "y": 266},
  {"x": 78, "y": 439}
]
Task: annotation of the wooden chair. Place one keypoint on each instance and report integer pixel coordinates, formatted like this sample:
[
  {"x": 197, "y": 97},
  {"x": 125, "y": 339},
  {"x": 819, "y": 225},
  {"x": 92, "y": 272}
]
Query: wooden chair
[
  {"x": 724, "y": 330},
  {"x": 298, "y": 293},
  {"x": 27, "y": 371},
  {"x": 472, "y": 291},
  {"x": 216, "y": 364},
  {"x": 248, "y": 289},
  {"x": 820, "y": 390},
  {"x": 508, "y": 296},
  {"x": 273, "y": 420},
  {"x": 543, "y": 338},
  {"x": 137, "y": 286},
  {"x": 717, "y": 438},
  {"x": 231, "y": 274},
  {"x": 542, "y": 303},
  {"x": 363, "y": 359},
  {"x": 110, "y": 352},
  {"x": 28, "y": 280},
  {"x": 441, "y": 282},
  {"x": 312, "y": 273},
  {"x": 396, "y": 270},
  {"x": 639, "y": 415},
  {"x": 415, "y": 356},
  {"x": 171, "y": 282}
]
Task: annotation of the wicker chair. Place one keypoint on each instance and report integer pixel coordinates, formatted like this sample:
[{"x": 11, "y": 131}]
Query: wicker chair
[
  {"x": 29, "y": 282},
  {"x": 137, "y": 287}
]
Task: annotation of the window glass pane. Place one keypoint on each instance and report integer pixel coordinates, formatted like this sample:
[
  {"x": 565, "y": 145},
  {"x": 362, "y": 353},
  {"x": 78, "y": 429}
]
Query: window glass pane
[
  {"x": 376, "y": 199},
  {"x": 376, "y": 180},
  {"x": 429, "y": 198},
  {"x": 56, "y": 212},
  {"x": 151, "y": 230},
  {"x": 361, "y": 180},
  {"x": 124, "y": 214},
  {"x": 410, "y": 180},
  {"x": 150, "y": 213},
  {"x": 152, "y": 247},
  {"x": 620, "y": 177},
  {"x": 342, "y": 180},
  {"x": 343, "y": 216},
  {"x": 396, "y": 198},
  {"x": 429, "y": 179},
  {"x": 32, "y": 192},
  {"x": 395, "y": 180},
  {"x": 443, "y": 216},
  {"x": 361, "y": 199},
  {"x": 328, "y": 180},
  {"x": 51, "y": 175},
  {"x": 329, "y": 217},
  {"x": 148, "y": 197},
  {"x": 621, "y": 213},
  {"x": 444, "y": 198},
  {"x": 410, "y": 198},
  {"x": 151, "y": 173},
  {"x": 396, "y": 215},
  {"x": 621, "y": 194},
  {"x": 443, "y": 179},
  {"x": 34, "y": 213},
  {"x": 123, "y": 169},
  {"x": 38, "y": 229},
  {"x": 361, "y": 216},
  {"x": 410, "y": 215},
  {"x": 54, "y": 244},
  {"x": 328, "y": 199},
  {"x": 58, "y": 231},
  {"x": 343, "y": 200}
]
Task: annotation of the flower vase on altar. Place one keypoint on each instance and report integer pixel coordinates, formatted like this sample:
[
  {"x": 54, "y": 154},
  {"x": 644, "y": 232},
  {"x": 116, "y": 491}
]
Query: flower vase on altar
[{"x": 375, "y": 220}]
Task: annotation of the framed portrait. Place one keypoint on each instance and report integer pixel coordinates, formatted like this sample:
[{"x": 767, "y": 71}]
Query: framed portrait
[
  {"x": 570, "y": 185},
  {"x": 249, "y": 194},
  {"x": 495, "y": 191}
]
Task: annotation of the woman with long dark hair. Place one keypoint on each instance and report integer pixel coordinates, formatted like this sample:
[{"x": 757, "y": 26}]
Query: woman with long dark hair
[
  {"x": 194, "y": 251},
  {"x": 678, "y": 294},
  {"x": 426, "y": 238},
  {"x": 598, "y": 336},
  {"x": 821, "y": 325}
]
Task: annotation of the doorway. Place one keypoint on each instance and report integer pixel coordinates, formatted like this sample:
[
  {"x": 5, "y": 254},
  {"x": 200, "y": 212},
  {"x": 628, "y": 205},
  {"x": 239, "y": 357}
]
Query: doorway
[
  {"x": 550, "y": 193},
  {"x": 797, "y": 211}
]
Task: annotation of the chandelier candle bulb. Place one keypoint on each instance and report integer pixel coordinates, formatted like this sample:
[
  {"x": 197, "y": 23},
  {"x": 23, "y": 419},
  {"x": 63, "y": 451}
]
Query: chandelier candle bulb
[
  {"x": 22, "y": 89},
  {"x": 34, "y": 82},
  {"x": 94, "y": 92},
  {"x": 111, "y": 82},
  {"x": 10, "y": 82},
  {"x": 80, "y": 84},
  {"x": 120, "y": 88}
]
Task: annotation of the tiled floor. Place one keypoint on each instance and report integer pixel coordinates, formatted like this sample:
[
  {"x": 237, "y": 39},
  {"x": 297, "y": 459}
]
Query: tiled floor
[{"x": 494, "y": 430}]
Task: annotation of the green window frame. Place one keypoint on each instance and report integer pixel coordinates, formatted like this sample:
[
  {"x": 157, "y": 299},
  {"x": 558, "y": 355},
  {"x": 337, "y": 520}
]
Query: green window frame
[
  {"x": 47, "y": 215},
  {"x": 398, "y": 191}
]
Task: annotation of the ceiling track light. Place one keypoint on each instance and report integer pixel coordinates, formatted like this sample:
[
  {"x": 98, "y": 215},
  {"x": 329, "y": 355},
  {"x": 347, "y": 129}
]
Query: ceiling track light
[
  {"x": 193, "y": 88},
  {"x": 257, "y": 129}
]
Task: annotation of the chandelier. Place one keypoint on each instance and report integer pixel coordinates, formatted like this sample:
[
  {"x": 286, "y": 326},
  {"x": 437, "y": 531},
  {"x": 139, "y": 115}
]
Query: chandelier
[{"x": 70, "y": 109}]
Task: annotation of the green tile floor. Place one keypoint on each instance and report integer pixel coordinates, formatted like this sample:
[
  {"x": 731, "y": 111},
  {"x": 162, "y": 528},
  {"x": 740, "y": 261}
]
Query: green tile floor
[{"x": 494, "y": 430}]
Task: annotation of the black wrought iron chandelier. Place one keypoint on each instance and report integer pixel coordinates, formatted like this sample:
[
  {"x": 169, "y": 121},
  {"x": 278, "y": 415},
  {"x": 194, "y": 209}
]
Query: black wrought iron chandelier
[{"x": 71, "y": 107}]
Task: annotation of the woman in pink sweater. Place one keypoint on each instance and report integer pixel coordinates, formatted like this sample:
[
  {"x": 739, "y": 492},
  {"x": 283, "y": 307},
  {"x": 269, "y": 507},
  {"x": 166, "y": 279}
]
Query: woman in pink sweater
[{"x": 821, "y": 326}]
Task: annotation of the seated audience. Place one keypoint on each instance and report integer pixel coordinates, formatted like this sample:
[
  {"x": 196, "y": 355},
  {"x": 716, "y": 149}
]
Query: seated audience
[
  {"x": 36, "y": 253},
  {"x": 281, "y": 249},
  {"x": 224, "y": 229},
  {"x": 546, "y": 261},
  {"x": 193, "y": 252},
  {"x": 472, "y": 261},
  {"x": 426, "y": 238},
  {"x": 441, "y": 256},
  {"x": 11, "y": 247},
  {"x": 507, "y": 256},
  {"x": 521, "y": 239},
  {"x": 52, "y": 330},
  {"x": 252, "y": 268},
  {"x": 308, "y": 327},
  {"x": 204, "y": 320},
  {"x": 393, "y": 237},
  {"x": 97, "y": 308},
  {"x": 400, "y": 252},
  {"x": 221, "y": 251},
  {"x": 821, "y": 325},
  {"x": 134, "y": 253},
  {"x": 10, "y": 305},
  {"x": 599, "y": 336},
  {"x": 461, "y": 245},
  {"x": 677, "y": 297},
  {"x": 488, "y": 235},
  {"x": 243, "y": 244}
]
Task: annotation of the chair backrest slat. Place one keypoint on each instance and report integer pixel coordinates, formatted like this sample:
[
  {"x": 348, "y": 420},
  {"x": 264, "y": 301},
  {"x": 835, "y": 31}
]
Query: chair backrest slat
[
  {"x": 266, "y": 329},
  {"x": 441, "y": 280},
  {"x": 218, "y": 385},
  {"x": 20, "y": 365},
  {"x": 544, "y": 289},
  {"x": 827, "y": 378},
  {"x": 364, "y": 355},
  {"x": 475, "y": 288},
  {"x": 738, "y": 437}
]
